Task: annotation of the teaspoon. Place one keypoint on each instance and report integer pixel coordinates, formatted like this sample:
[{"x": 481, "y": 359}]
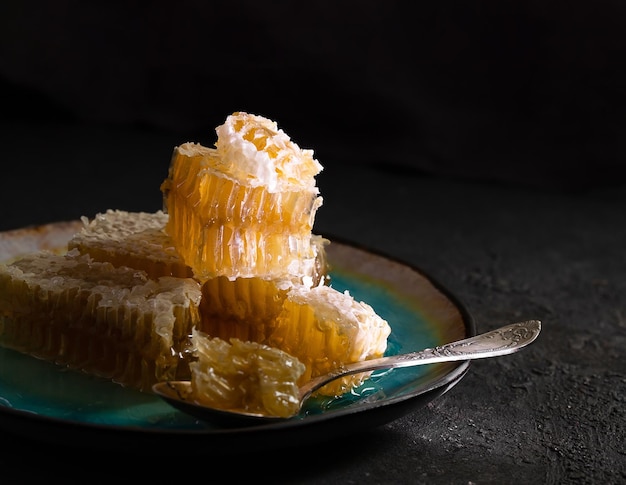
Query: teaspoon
[{"x": 501, "y": 341}]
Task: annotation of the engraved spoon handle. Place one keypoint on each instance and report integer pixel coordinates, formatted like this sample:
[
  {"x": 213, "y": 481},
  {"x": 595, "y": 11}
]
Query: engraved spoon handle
[{"x": 501, "y": 341}]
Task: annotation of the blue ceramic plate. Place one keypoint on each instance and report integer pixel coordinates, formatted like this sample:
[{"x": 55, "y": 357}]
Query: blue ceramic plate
[{"x": 44, "y": 400}]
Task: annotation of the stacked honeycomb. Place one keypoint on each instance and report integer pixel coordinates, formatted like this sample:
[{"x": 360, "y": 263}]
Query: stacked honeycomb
[{"x": 229, "y": 272}]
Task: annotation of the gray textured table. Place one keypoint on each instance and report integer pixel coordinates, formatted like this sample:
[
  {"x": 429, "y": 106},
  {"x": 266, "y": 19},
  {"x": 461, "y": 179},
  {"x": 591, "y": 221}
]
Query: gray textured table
[{"x": 552, "y": 414}]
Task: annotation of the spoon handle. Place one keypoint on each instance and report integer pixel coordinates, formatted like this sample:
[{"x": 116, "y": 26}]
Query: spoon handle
[{"x": 501, "y": 341}]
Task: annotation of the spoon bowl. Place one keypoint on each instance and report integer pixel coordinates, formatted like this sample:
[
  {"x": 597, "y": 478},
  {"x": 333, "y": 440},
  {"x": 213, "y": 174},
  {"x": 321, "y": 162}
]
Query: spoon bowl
[{"x": 501, "y": 341}]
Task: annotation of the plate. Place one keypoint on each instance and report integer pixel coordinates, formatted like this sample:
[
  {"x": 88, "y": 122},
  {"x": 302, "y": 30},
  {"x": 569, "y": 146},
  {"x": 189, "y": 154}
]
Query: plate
[{"x": 48, "y": 402}]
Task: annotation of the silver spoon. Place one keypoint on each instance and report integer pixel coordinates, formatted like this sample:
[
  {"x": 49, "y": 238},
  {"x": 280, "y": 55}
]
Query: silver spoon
[{"x": 501, "y": 341}]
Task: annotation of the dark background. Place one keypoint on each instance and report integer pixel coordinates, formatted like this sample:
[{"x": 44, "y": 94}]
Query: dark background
[
  {"x": 521, "y": 92},
  {"x": 480, "y": 141}
]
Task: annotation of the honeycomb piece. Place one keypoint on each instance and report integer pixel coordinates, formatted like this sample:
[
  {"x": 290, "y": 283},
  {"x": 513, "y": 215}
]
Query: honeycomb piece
[
  {"x": 91, "y": 316},
  {"x": 245, "y": 208},
  {"x": 244, "y": 376},
  {"x": 134, "y": 239},
  {"x": 321, "y": 327},
  {"x": 326, "y": 329}
]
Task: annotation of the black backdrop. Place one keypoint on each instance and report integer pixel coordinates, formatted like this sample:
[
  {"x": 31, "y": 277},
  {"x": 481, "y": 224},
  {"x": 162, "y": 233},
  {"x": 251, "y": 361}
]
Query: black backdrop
[{"x": 521, "y": 92}]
